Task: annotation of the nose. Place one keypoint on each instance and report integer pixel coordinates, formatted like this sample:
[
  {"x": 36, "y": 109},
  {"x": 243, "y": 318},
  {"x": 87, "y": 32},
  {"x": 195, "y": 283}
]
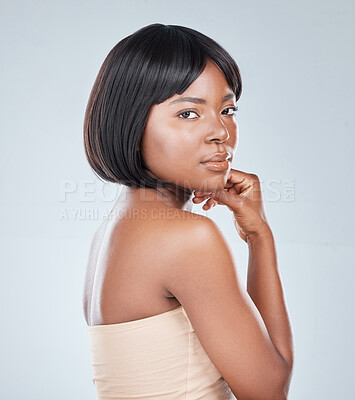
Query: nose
[{"x": 217, "y": 131}]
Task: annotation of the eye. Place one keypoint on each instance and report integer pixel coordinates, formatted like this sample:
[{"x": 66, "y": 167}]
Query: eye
[
  {"x": 186, "y": 112},
  {"x": 234, "y": 109}
]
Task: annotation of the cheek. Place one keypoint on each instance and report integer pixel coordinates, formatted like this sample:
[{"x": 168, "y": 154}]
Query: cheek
[
  {"x": 233, "y": 135},
  {"x": 233, "y": 141},
  {"x": 171, "y": 144}
]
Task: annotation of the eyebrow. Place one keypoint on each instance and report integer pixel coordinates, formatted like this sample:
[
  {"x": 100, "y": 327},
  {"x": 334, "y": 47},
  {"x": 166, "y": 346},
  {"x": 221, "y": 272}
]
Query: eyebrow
[{"x": 198, "y": 100}]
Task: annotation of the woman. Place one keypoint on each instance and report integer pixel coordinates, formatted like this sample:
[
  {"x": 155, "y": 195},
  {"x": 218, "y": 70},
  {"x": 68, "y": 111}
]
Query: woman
[{"x": 167, "y": 315}]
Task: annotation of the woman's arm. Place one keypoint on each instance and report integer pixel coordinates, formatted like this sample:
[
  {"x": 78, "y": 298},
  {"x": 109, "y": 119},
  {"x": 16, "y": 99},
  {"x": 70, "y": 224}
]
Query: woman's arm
[
  {"x": 242, "y": 195},
  {"x": 265, "y": 288},
  {"x": 199, "y": 270}
]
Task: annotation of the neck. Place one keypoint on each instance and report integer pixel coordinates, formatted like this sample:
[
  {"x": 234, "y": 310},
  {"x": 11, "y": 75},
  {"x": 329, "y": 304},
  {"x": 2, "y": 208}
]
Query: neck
[{"x": 179, "y": 198}]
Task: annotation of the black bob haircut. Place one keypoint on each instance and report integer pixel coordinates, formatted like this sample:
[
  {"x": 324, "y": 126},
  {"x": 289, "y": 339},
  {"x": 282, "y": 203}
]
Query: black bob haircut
[{"x": 145, "y": 68}]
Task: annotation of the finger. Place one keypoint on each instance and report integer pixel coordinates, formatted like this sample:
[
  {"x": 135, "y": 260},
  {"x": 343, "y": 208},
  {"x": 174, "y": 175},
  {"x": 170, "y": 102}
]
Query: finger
[
  {"x": 240, "y": 181},
  {"x": 237, "y": 176},
  {"x": 198, "y": 194},
  {"x": 209, "y": 204},
  {"x": 227, "y": 198},
  {"x": 199, "y": 199}
]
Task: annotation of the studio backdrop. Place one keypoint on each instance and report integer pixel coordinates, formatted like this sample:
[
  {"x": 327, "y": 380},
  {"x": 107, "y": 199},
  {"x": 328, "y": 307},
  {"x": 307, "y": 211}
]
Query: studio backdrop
[{"x": 296, "y": 130}]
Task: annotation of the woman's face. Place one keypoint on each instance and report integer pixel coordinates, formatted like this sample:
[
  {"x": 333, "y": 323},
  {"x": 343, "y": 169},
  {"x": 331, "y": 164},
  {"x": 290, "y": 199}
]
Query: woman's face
[{"x": 182, "y": 133}]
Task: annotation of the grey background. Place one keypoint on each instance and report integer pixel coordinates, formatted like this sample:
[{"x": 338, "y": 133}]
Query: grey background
[{"x": 296, "y": 133}]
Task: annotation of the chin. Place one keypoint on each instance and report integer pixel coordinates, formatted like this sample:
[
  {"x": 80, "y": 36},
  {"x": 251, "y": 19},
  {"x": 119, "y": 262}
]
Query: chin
[{"x": 213, "y": 183}]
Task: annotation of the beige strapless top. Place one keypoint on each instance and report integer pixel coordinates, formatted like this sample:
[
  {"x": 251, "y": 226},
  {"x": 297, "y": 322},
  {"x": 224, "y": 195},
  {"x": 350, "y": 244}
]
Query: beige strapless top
[{"x": 158, "y": 357}]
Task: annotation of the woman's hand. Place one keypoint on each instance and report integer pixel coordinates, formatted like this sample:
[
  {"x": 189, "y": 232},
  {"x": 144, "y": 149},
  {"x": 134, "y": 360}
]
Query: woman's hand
[{"x": 242, "y": 195}]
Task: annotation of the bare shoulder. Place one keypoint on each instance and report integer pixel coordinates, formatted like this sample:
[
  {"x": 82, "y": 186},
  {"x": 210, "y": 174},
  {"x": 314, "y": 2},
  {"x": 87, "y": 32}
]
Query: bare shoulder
[
  {"x": 193, "y": 233},
  {"x": 183, "y": 235},
  {"x": 198, "y": 250},
  {"x": 201, "y": 273}
]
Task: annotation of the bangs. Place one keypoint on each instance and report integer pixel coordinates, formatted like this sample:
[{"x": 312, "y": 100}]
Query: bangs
[{"x": 171, "y": 57}]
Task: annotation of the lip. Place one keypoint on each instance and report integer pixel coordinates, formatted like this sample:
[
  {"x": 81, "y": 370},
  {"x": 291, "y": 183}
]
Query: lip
[
  {"x": 216, "y": 165},
  {"x": 218, "y": 157}
]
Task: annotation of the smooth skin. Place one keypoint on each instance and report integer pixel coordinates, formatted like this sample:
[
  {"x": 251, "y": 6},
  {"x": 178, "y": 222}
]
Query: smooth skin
[{"x": 153, "y": 254}]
